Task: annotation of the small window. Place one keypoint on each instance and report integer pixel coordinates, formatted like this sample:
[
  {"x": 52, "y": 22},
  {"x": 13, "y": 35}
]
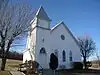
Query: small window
[
  {"x": 70, "y": 55},
  {"x": 42, "y": 50},
  {"x": 62, "y": 37},
  {"x": 43, "y": 40},
  {"x": 64, "y": 56}
]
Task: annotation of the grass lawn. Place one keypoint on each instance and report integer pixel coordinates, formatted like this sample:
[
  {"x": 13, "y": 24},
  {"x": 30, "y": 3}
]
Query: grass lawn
[
  {"x": 12, "y": 65},
  {"x": 5, "y": 73}
]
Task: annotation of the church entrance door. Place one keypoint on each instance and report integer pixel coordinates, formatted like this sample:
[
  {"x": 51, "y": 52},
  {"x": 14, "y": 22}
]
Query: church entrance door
[{"x": 43, "y": 58}]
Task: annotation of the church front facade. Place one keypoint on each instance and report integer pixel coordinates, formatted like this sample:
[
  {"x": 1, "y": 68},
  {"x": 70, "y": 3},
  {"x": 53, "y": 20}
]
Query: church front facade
[{"x": 42, "y": 41}]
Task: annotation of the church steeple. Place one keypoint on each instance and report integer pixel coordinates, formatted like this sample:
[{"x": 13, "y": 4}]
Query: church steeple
[{"x": 41, "y": 14}]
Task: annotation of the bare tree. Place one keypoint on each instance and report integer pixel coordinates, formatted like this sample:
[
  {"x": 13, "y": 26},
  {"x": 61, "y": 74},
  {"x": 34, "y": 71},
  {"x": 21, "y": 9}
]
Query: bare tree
[
  {"x": 98, "y": 57},
  {"x": 3, "y": 2},
  {"x": 87, "y": 47},
  {"x": 15, "y": 19}
]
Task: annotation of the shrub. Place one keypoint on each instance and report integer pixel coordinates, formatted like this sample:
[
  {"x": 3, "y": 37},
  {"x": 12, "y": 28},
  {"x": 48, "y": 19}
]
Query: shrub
[
  {"x": 77, "y": 65},
  {"x": 89, "y": 64},
  {"x": 53, "y": 62}
]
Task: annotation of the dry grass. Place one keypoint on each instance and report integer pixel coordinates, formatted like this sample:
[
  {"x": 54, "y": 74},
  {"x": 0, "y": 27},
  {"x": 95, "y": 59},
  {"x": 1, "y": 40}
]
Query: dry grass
[
  {"x": 5, "y": 73},
  {"x": 12, "y": 65}
]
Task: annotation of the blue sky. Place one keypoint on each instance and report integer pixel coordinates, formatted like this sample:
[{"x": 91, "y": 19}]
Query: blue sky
[{"x": 81, "y": 16}]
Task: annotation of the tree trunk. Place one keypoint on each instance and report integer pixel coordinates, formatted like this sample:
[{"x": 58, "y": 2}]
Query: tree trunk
[
  {"x": 3, "y": 64},
  {"x": 85, "y": 65},
  {"x": 5, "y": 54},
  {"x": 99, "y": 62}
]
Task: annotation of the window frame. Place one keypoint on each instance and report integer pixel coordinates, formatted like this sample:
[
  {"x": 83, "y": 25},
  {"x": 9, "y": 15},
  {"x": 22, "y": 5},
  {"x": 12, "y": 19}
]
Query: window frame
[
  {"x": 63, "y": 56},
  {"x": 42, "y": 51},
  {"x": 62, "y": 37},
  {"x": 70, "y": 56}
]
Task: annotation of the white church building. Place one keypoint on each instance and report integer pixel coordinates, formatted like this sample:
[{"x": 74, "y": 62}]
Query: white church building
[{"x": 42, "y": 41}]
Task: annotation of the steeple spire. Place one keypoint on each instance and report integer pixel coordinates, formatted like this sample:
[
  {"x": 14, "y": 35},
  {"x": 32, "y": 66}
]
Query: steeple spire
[{"x": 42, "y": 14}]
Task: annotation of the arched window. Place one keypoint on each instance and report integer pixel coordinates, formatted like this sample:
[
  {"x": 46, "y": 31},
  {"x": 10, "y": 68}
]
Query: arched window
[
  {"x": 64, "y": 56},
  {"x": 56, "y": 53},
  {"x": 42, "y": 50},
  {"x": 70, "y": 55}
]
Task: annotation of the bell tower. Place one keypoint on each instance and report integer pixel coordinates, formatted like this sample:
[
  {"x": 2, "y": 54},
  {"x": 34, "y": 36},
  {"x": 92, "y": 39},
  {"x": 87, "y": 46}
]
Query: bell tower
[
  {"x": 38, "y": 38},
  {"x": 43, "y": 19}
]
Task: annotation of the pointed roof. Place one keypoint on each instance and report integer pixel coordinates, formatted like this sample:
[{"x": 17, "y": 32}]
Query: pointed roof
[
  {"x": 62, "y": 23},
  {"x": 42, "y": 14}
]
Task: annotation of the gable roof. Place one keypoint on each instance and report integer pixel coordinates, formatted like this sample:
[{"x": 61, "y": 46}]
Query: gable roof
[
  {"x": 62, "y": 23},
  {"x": 56, "y": 26},
  {"x": 42, "y": 14}
]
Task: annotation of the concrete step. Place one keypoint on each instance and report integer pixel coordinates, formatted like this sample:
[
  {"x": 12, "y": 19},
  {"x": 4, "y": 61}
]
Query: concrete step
[{"x": 16, "y": 73}]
